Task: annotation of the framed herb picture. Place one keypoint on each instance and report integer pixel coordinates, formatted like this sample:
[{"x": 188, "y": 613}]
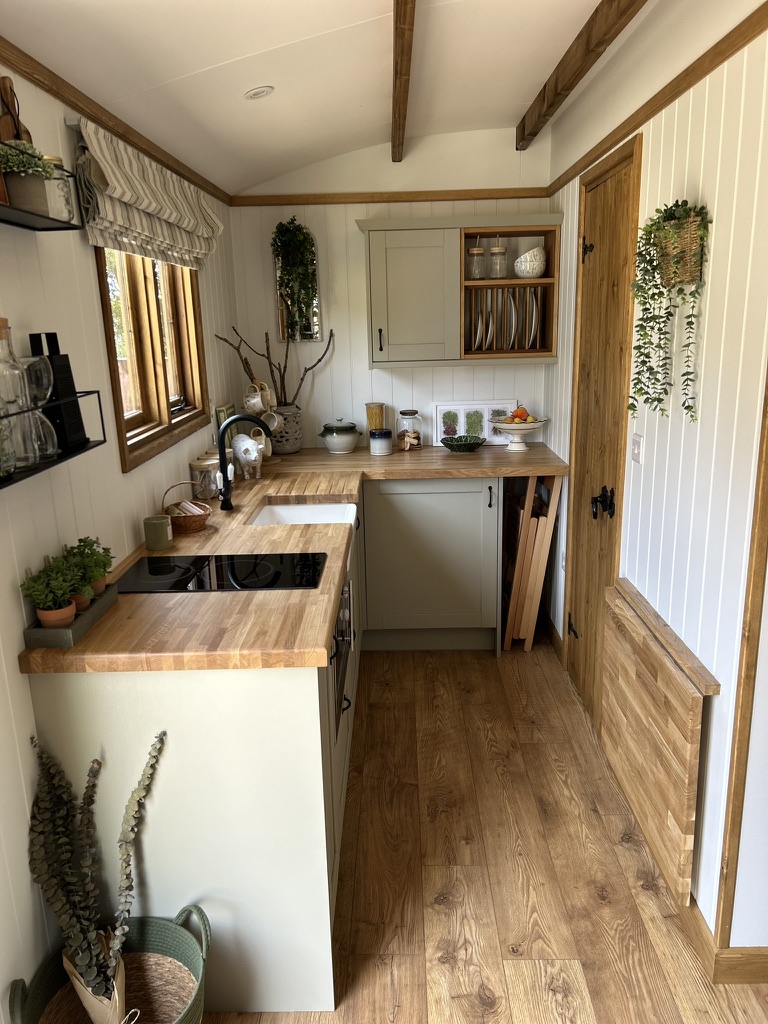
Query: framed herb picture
[
  {"x": 223, "y": 412},
  {"x": 454, "y": 418}
]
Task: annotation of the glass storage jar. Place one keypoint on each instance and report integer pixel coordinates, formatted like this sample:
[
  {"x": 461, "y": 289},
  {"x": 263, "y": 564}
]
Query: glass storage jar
[
  {"x": 410, "y": 430},
  {"x": 14, "y": 398},
  {"x": 475, "y": 263},
  {"x": 203, "y": 477},
  {"x": 498, "y": 262}
]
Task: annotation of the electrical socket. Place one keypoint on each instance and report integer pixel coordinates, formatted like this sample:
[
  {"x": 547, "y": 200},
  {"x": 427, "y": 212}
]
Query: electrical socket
[{"x": 637, "y": 449}]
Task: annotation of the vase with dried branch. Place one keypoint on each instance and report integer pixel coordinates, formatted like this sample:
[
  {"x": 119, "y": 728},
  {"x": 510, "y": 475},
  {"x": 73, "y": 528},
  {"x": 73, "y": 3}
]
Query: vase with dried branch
[{"x": 289, "y": 439}]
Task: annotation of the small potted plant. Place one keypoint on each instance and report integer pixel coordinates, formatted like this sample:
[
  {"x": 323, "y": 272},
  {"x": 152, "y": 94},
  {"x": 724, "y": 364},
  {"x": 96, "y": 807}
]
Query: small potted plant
[
  {"x": 50, "y": 591},
  {"x": 92, "y": 561},
  {"x": 293, "y": 249}
]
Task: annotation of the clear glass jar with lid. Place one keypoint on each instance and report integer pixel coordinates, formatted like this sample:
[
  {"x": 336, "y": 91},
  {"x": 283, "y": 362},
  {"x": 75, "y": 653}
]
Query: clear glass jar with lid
[
  {"x": 410, "y": 430},
  {"x": 476, "y": 262},
  {"x": 498, "y": 268}
]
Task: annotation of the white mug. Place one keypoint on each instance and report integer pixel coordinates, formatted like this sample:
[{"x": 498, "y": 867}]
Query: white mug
[
  {"x": 262, "y": 440},
  {"x": 256, "y": 402},
  {"x": 274, "y": 421}
]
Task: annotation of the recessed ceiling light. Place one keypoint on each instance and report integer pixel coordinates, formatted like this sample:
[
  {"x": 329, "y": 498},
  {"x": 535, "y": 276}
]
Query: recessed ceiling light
[{"x": 259, "y": 92}]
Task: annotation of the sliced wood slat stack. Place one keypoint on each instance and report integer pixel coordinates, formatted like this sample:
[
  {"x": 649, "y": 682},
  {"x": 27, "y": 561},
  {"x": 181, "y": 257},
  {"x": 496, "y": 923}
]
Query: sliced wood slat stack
[{"x": 533, "y": 531}]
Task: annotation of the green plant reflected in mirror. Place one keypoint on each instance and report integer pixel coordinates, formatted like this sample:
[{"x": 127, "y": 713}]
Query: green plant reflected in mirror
[{"x": 295, "y": 257}]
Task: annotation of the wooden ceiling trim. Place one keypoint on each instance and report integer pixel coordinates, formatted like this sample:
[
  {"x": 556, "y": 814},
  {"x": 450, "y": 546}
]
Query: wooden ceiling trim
[
  {"x": 405, "y": 13},
  {"x": 753, "y": 26},
  {"x": 33, "y": 71},
  {"x": 609, "y": 18},
  {"x": 427, "y": 196}
]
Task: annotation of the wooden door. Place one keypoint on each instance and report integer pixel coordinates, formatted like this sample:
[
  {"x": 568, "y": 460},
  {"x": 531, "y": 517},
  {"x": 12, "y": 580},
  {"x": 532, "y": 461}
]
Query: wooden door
[{"x": 609, "y": 220}]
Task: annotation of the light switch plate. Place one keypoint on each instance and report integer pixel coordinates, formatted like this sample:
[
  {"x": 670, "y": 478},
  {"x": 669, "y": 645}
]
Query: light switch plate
[{"x": 637, "y": 448}]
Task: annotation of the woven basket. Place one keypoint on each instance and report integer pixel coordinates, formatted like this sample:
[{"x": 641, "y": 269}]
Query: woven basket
[
  {"x": 187, "y": 523},
  {"x": 164, "y": 974},
  {"x": 680, "y": 257}
]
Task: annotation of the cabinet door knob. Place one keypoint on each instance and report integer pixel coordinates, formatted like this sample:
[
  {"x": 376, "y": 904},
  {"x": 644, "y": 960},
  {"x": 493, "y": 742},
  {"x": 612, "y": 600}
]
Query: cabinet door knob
[{"x": 381, "y": 347}]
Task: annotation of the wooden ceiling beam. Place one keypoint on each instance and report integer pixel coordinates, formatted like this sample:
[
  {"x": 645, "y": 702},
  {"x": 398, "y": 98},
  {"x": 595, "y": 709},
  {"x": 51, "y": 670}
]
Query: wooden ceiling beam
[
  {"x": 404, "y": 14},
  {"x": 608, "y": 19}
]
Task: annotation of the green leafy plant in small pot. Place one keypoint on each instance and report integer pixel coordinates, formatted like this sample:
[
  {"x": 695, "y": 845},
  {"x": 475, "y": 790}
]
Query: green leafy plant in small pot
[
  {"x": 18, "y": 157},
  {"x": 670, "y": 255},
  {"x": 50, "y": 591},
  {"x": 64, "y": 858},
  {"x": 92, "y": 562}
]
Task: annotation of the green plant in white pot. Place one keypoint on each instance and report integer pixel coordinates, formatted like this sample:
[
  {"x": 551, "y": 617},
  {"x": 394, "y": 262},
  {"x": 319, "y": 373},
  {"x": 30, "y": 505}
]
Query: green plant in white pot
[{"x": 64, "y": 859}]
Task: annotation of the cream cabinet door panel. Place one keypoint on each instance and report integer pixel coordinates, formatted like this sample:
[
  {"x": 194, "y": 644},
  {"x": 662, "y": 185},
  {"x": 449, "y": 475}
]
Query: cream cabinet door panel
[{"x": 414, "y": 291}]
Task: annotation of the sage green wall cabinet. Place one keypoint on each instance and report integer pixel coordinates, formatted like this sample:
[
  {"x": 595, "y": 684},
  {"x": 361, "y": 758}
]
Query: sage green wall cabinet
[
  {"x": 414, "y": 315},
  {"x": 426, "y": 307},
  {"x": 431, "y": 553}
]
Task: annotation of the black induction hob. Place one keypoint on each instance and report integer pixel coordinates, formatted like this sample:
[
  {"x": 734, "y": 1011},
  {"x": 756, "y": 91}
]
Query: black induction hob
[{"x": 204, "y": 573}]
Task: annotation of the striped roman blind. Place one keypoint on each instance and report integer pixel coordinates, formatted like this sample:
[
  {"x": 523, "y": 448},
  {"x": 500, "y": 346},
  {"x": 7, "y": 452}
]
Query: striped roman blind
[{"x": 138, "y": 206}]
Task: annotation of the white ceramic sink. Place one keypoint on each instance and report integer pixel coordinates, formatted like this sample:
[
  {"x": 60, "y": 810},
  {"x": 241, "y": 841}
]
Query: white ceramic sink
[{"x": 284, "y": 515}]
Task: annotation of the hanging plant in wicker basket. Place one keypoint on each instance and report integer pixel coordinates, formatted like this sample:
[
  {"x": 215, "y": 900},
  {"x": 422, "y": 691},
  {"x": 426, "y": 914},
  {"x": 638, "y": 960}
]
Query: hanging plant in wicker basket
[{"x": 670, "y": 256}]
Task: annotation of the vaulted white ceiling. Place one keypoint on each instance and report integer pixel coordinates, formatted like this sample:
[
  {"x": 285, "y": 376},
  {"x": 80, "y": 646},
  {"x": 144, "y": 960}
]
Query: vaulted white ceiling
[{"x": 177, "y": 71}]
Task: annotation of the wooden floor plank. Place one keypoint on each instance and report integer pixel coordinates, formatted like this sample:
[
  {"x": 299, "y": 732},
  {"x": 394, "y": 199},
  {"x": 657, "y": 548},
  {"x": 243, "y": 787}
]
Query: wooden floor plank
[
  {"x": 698, "y": 999},
  {"x": 548, "y": 992},
  {"x": 531, "y": 917},
  {"x": 534, "y": 708},
  {"x": 465, "y": 977},
  {"x": 383, "y": 990},
  {"x": 626, "y": 981},
  {"x": 389, "y": 677},
  {"x": 606, "y": 791},
  {"x": 478, "y": 675},
  {"x": 390, "y": 742},
  {"x": 387, "y": 915},
  {"x": 450, "y": 822}
]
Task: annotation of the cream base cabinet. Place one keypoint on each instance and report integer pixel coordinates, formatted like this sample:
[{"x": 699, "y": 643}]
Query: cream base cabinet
[
  {"x": 414, "y": 279},
  {"x": 431, "y": 553}
]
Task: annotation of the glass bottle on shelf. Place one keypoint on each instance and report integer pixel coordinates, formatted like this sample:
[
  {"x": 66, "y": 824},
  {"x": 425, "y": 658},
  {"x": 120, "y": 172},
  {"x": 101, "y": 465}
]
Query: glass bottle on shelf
[
  {"x": 14, "y": 397},
  {"x": 410, "y": 430},
  {"x": 7, "y": 453}
]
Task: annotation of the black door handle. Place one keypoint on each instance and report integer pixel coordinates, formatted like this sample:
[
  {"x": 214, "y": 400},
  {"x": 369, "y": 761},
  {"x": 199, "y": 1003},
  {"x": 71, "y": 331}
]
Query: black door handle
[
  {"x": 346, "y": 704},
  {"x": 381, "y": 347},
  {"x": 490, "y": 497},
  {"x": 605, "y": 500}
]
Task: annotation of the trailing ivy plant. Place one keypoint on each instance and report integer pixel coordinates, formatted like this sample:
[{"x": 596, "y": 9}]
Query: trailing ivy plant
[
  {"x": 670, "y": 253},
  {"x": 65, "y": 863},
  {"x": 293, "y": 249}
]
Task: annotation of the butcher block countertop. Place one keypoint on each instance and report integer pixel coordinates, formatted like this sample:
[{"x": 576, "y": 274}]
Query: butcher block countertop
[{"x": 264, "y": 629}]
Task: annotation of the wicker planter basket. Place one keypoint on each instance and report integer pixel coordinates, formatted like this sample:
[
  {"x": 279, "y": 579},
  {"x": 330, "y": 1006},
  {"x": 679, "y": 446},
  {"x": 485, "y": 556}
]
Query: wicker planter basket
[
  {"x": 164, "y": 974},
  {"x": 680, "y": 256},
  {"x": 187, "y": 523}
]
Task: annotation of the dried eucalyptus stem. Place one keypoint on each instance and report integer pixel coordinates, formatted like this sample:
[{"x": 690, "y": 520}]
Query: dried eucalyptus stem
[
  {"x": 64, "y": 861},
  {"x": 277, "y": 370}
]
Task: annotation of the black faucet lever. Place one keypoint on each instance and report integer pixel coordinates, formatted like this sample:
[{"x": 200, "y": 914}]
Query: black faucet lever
[{"x": 226, "y": 472}]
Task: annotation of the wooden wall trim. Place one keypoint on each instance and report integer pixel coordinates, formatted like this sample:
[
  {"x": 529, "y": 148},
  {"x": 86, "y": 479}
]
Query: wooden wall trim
[
  {"x": 701, "y": 938},
  {"x": 745, "y": 689},
  {"x": 33, "y": 71},
  {"x": 422, "y": 196},
  {"x": 606, "y": 22},
  {"x": 745, "y": 32},
  {"x": 741, "y": 965}
]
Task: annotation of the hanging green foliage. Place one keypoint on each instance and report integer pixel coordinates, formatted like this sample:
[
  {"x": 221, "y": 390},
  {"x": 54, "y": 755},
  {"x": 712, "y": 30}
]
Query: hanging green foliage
[
  {"x": 670, "y": 255},
  {"x": 293, "y": 249}
]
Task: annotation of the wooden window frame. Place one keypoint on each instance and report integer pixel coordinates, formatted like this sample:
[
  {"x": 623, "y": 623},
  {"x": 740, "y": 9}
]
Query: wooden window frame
[{"x": 143, "y": 435}]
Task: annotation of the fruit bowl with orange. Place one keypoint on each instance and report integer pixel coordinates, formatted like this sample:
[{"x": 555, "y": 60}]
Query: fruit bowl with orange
[{"x": 519, "y": 423}]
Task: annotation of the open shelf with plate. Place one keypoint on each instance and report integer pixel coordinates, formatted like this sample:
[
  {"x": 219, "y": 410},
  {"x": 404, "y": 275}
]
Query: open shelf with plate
[{"x": 511, "y": 316}]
